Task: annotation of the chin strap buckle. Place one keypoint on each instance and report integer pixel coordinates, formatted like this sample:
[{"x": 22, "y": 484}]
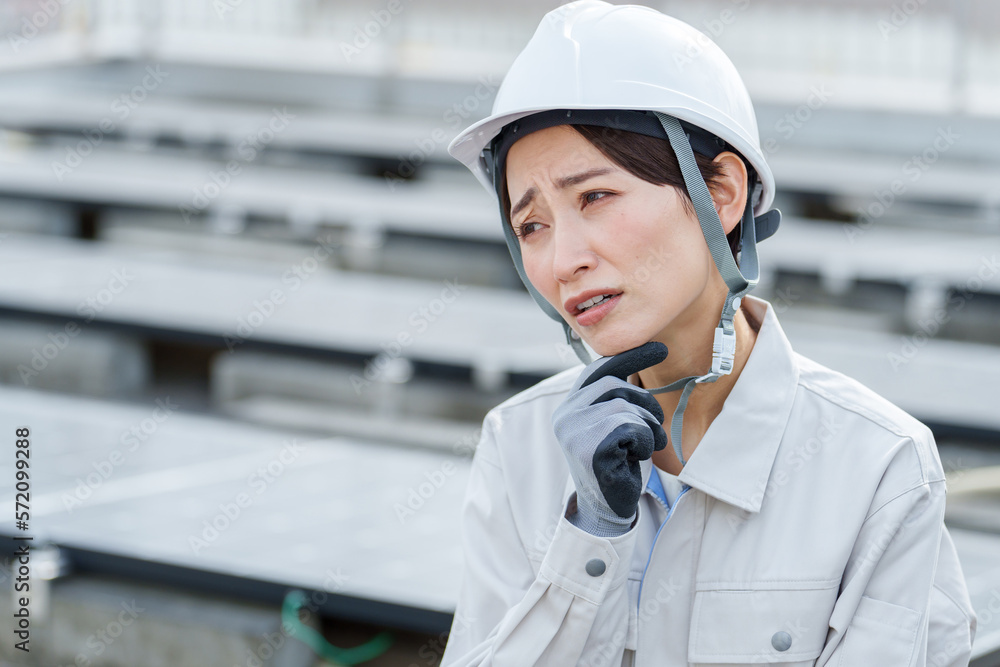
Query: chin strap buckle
[{"x": 724, "y": 349}]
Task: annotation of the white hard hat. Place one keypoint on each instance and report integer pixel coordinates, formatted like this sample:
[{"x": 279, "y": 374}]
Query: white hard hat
[{"x": 593, "y": 55}]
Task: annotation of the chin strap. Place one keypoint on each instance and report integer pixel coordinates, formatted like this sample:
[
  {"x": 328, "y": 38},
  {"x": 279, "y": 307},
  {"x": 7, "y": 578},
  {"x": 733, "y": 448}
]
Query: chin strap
[
  {"x": 573, "y": 340},
  {"x": 724, "y": 346}
]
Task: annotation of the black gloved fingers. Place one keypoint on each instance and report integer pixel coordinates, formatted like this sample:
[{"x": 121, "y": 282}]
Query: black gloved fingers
[
  {"x": 650, "y": 412},
  {"x": 628, "y": 362},
  {"x": 636, "y": 396},
  {"x": 616, "y": 466},
  {"x": 619, "y": 399},
  {"x": 659, "y": 435}
]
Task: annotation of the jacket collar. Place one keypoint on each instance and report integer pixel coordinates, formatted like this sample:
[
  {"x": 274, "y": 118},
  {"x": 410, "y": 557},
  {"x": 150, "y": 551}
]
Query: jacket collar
[{"x": 733, "y": 461}]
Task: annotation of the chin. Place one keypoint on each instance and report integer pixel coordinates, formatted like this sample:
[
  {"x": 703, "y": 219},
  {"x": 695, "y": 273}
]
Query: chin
[{"x": 608, "y": 346}]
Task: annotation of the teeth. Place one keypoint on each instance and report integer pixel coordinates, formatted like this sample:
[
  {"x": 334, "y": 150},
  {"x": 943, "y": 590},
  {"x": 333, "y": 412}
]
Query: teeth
[{"x": 590, "y": 303}]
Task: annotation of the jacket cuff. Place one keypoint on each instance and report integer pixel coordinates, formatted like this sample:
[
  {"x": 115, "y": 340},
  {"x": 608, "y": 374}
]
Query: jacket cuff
[{"x": 585, "y": 565}]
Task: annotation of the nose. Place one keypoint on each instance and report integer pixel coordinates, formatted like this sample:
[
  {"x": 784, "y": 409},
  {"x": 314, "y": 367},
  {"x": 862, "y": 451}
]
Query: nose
[{"x": 572, "y": 254}]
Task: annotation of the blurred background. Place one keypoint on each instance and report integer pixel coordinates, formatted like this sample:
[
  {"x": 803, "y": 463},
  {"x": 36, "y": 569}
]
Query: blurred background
[{"x": 252, "y": 314}]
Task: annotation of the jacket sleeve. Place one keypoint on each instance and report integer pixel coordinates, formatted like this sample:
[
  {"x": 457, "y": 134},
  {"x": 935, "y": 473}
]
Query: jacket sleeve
[
  {"x": 952, "y": 626},
  {"x": 893, "y": 608},
  {"x": 506, "y": 613}
]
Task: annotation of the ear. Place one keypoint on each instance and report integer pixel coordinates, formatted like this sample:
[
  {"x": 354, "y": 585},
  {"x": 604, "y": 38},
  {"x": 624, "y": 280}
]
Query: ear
[{"x": 730, "y": 189}]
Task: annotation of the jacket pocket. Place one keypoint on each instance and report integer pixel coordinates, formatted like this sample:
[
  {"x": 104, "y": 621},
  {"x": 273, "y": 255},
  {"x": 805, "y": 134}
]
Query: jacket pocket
[
  {"x": 881, "y": 633},
  {"x": 776, "y": 626}
]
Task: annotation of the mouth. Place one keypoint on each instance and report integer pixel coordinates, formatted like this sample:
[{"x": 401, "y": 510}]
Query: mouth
[
  {"x": 590, "y": 308},
  {"x": 584, "y": 306}
]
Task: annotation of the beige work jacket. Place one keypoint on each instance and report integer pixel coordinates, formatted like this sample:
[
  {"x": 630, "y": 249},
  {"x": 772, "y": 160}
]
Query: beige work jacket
[{"x": 805, "y": 529}]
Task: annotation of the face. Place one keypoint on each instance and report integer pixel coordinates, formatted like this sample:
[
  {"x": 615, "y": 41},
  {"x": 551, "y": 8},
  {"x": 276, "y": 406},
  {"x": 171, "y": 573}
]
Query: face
[{"x": 589, "y": 228}]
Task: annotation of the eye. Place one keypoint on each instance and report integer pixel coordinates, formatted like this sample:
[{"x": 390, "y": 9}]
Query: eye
[
  {"x": 591, "y": 197},
  {"x": 525, "y": 229}
]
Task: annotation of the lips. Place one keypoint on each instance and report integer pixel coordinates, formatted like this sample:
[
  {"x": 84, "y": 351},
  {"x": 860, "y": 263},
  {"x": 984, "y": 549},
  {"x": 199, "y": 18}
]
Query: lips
[
  {"x": 572, "y": 304},
  {"x": 596, "y": 313}
]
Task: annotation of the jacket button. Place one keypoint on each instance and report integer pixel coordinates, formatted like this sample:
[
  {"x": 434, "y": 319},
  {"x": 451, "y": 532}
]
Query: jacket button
[
  {"x": 781, "y": 640},
  {"x": 595, "y": 567}
]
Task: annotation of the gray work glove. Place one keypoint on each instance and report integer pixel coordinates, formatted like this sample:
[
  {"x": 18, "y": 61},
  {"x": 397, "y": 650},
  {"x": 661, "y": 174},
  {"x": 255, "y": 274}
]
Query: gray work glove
[{"x": 606, "y": 426}]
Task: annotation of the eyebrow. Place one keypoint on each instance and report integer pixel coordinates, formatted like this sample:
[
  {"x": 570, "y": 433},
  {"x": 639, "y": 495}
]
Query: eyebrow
[{"x": 561, "y": 183}]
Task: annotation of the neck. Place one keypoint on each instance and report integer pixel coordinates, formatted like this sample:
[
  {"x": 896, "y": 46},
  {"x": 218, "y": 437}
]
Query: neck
[{"x": 690, "y": 353}]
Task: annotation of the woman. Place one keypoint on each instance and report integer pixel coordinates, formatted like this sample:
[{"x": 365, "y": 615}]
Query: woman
[{"x": 796, "y": 518}]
